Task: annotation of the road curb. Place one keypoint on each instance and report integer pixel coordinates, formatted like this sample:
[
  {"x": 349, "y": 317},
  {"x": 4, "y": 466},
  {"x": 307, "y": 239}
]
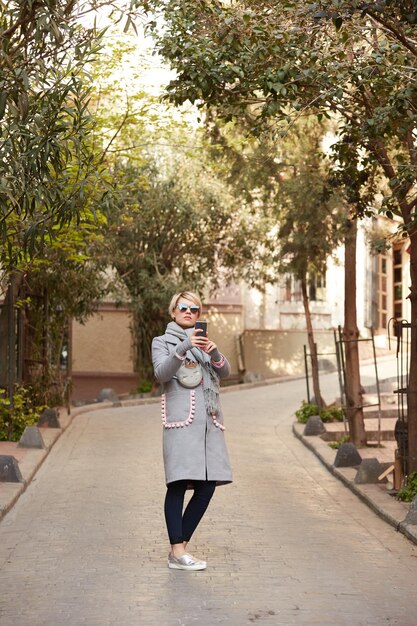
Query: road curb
[{"x": 385, "y": 506}]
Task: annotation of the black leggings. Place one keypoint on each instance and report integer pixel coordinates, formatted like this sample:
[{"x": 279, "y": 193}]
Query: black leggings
[{"x": 181, "y": 526}]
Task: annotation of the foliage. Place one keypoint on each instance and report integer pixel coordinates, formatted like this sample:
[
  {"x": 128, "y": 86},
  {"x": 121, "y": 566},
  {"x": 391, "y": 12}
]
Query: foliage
[
  {"x": 351, "y": 62},
  {"x": 310, "y": 212},
  {"x": 144, "y": 387},
  {"x": 48, "y": 170},
  {"x": 305, "y": 411},
  {"x": 332, "y": 414},
  {"x": 409, "y": 491},
  {"x": 54, "y": 186},
  {"x": 291, "y": 181},
  {"x": 15, "y": 416},
  {"x": 292, "y": 61},
  {"x": 392, "y": 15},
  {"x": 65, "y": 282},
  {"x": 184, "y": 231},
  {"x": 175, "y": 222},
  {"x": 336, "y": 444},
  {"x": 329, "y": 414}
]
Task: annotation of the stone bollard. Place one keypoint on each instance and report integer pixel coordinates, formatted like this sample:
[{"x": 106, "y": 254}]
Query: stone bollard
[
  {"x": 9, "y": 470},
  {"x": 411, "y": 517},
  {"x": 31, "y": 438},
  {"x": 368, "y": 472},
  {"x": 49, "y": 417},
  {"x": 347, "y": 456},
  {"x": 107, "y": 395},
  {"x": 314, "y": 426}
]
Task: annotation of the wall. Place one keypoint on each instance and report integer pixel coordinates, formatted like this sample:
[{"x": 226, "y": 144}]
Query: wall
[
  {"x": 278, "y": 353},
  {"x": 102, "y": 353},
  {"x": 225, "y": 325}
]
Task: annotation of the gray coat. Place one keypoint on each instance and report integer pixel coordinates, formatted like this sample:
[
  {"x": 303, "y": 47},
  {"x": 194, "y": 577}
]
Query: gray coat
[{"x": 195, "y": 449}]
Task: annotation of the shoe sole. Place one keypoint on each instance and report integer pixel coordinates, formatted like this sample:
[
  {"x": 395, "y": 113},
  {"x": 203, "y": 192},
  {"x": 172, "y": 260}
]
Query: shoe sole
[{"x": 192, "y": 568}]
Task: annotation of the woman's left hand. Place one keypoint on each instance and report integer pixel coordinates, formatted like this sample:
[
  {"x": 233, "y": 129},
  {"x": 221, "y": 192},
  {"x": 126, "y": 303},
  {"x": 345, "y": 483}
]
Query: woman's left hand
[{"x": 210, "y": 346}]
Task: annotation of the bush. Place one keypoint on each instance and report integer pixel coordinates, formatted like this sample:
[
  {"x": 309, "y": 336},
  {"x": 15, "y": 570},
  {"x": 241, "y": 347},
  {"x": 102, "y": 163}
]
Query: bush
[
  {"x": 144, "y": 387},
  {"x": 13, "y": 421},
  {"x": 305, "y": 411},
  {"x": 407, "y": 493},
  {"x": 332, "y": 414},
  {"x": 329, "y": 414},
  {"x": 336, "y": 444}
]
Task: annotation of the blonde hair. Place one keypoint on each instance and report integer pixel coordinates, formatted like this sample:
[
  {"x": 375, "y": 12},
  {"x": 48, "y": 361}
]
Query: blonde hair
[{"x": 188, "y": 295}]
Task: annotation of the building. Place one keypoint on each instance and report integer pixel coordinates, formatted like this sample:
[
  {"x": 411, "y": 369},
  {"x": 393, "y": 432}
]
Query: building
[{"x": 263, "y": 333}]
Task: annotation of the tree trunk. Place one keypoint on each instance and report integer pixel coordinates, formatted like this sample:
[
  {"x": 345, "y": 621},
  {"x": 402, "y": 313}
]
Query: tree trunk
[
  {"x": 312, "y": 346},
  {"x": 8, "y": 353},
  {"x": 412, "y": 378},
  {"x": 353, "y": 388}
]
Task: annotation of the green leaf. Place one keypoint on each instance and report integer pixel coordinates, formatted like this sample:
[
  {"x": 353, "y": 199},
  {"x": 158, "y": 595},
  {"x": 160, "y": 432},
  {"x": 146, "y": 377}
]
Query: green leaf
[{"x": 338, "y": 22}]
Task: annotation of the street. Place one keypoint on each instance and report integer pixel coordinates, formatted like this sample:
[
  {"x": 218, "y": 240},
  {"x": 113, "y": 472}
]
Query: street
[{"x": 286, "y": 543}]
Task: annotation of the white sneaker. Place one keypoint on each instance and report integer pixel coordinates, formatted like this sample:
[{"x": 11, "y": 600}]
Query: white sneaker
[{"x": 185, "y": 562}]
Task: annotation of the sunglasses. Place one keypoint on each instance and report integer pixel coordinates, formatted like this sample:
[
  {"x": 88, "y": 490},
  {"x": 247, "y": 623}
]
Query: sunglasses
[{"x": 184, "y": 307}]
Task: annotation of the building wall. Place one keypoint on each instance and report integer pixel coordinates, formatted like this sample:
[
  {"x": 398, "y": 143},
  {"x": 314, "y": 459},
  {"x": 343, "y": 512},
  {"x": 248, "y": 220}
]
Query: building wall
[
  {"x": 281, "y": 353},
  {"x": 260, "y": 332},
  {"x": 102, "y": 348},
  {"x": 224, "y": 313},
  {"x": 102, "y": 354}
]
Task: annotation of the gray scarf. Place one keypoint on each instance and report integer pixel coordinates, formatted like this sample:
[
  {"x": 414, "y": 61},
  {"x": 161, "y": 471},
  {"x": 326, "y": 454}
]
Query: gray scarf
[{"x": 211, "y": 385}]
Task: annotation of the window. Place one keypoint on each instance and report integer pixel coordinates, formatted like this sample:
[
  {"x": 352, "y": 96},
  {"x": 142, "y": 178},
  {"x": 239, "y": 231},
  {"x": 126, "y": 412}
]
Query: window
[
  {"x": 397, "y": 282},
  {"x": 382, "y": 290},
  {"x": 290, "y": 290},
  {"x": 316, "y": 287}
]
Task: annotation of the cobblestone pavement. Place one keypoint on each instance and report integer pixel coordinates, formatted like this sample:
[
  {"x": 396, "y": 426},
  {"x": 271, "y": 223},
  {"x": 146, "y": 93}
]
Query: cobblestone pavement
[{"x": 286, "y": 543}]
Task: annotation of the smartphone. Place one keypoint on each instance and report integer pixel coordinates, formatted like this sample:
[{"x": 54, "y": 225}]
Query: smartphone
[{"x": 203, "y": 326}]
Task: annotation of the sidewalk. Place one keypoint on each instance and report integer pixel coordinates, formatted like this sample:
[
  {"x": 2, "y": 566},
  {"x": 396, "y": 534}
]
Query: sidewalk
[{"x": 390, "y": 509}]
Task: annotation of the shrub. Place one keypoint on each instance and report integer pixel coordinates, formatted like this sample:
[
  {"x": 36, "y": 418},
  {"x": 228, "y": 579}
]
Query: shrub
[
  {"x": 407, "y": 493},
  {"x": 144, "y": 387},
  {"x": 332, "y": 414},
  {"x": 336, "y": 444},
  {"x": 305, "y": 411},
  {"x": 329, "y": 414},
  {"x": 13, "y": 421}
]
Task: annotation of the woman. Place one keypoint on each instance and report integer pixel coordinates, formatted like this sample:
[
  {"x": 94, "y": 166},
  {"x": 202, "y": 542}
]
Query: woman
[{"x": 195, "y": 456}]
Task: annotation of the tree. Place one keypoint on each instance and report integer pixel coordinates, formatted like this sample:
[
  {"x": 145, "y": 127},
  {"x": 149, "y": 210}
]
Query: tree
[
  {"x": 288, "y": 180},
  {"x": 174, "y": 223},
  {"x": 52, "y": 181},
  {"x": 65, "y": 282},
  {"x": 47, "y": 166},
  {"x": 310, "y": 218},
  {"x": 48, "y": 171},
  {"x": 183, "y": 231},
  {"x": 291, "y": 59}
]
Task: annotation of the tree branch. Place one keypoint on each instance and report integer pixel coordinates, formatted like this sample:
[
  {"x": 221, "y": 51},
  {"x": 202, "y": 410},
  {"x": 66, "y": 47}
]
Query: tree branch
[
  {"x": 411, "y": 147},
  {"x": 398, "y": 34}
]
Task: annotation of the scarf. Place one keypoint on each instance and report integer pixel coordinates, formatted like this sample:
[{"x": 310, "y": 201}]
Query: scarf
[{"x": 211, "y": 385}]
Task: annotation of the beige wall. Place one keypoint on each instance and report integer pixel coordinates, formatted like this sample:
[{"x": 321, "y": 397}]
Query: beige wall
[
  {"x": 225, "y": 324},
  {"x": 278, "y": 353},
  {"x": 102, "y": 355},
  {"x": 102, "y": 349},
  {"x": 103, "y": 343}
]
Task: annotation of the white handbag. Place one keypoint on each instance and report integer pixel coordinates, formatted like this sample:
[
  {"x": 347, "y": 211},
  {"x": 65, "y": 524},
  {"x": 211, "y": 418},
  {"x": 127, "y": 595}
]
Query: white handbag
[{"x": 189, "y": 374}]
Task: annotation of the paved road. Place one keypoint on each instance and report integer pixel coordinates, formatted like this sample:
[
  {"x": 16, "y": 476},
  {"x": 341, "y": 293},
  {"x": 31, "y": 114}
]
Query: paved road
[{"x": 286, "y": 542}]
